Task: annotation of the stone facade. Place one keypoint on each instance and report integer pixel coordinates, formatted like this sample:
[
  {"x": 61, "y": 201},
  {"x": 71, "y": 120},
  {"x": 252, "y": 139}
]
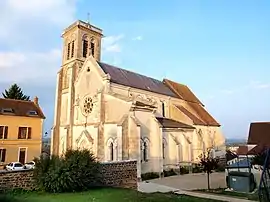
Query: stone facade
[
  {"x": 116, "y": 113},
  {"x": 117, "y": 174},
  {"x": 17, "y": 180},
  {"x": 120, "y": 174}
]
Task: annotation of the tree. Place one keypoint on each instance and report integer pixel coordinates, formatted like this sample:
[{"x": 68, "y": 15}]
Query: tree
[
  {"x": 208, "y": 163},
  {"x": 16, "y": 93}
]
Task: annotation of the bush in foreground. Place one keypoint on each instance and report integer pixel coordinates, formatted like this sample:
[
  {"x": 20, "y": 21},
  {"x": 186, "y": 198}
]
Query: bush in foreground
[{"x": 76, "y": 170}]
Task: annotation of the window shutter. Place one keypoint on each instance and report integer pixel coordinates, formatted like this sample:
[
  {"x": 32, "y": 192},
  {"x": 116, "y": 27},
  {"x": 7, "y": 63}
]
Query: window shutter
[
  {"x": 1, "y": 132},
  {"x": 19, "y": 133},
  {"x": 3, "y": 159},
  {"x": 6, "y": 132},
  {"x": 29, "y": 133}
]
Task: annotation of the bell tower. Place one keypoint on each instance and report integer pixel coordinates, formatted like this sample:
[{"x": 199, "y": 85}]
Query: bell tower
[{"x": 80, "y": 40}]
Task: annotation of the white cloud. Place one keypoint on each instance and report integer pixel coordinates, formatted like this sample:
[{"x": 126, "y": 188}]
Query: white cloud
[
  {"x": 29, "y": 30},
  {"x": 37, "y": 67},
  {"x": 137, "y": 38},
  {"x": 259, "y": 85},
  {"x": 112, "y": 43}
]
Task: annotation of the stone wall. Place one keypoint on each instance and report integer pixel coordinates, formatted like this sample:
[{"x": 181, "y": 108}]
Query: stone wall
[{"x": 115, "y": 174}]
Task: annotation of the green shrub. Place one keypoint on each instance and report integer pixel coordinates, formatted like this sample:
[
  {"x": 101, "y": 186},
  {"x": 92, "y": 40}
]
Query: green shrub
[
  {"x": 197, "y": 169},
  {"x": 77, "y": 170},
  {"x": 168, "y": 173},
  {"x": 149, "y": 176},
  {"x": 184, "y": 170}
]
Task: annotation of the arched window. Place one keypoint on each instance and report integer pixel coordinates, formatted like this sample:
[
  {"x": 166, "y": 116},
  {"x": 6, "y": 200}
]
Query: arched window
[
  {"x": 111, "y": 152},
  {"x": 145, "y": 153},
  {"x": 92, "y": 47},
  {"x": 72, "y": 49},
  {"x": 68, "y": 51},
  {"x": 163, "y": 109},
  {"x": 163, "y": 150},
  {"x": 85, "y": 47}
]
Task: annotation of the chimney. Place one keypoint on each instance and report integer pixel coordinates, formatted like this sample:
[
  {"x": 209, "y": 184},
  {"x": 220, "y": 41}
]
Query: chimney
[{"x": 35, "y": 100}]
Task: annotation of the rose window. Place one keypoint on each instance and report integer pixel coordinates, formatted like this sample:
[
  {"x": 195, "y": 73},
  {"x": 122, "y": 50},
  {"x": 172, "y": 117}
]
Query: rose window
[{"x": 88, "y": 105}]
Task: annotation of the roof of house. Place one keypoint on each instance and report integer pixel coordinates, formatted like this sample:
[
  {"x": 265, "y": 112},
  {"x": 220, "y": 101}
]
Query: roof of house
[
  {"x": 242, "y": 150},
  {"x": 203, "y": 114},
  {"x": 259, "y": 134},
  {"x": 170, "y": 123},
  {"x": 135, "y": 80},
  {"x": 12, "y": 107},
  {"x": 182, "y": 91},
  {"x": 194, "y": 118},
  {"x": 165, "y": 87}
]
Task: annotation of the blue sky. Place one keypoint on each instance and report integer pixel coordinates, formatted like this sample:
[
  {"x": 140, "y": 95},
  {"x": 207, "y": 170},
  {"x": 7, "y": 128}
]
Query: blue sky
[{"x": 220, "y": 49}]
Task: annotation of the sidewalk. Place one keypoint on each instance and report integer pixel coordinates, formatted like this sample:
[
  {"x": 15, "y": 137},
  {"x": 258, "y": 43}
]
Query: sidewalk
[
  {"x": 215, "y": 197},
  {"x": 149, "y": 187}
]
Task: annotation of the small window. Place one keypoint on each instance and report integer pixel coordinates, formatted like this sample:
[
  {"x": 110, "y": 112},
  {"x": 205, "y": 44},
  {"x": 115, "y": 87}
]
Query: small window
[
  {"x": 92, "y": 48},
  {"x": 163, "y": 109},
  {"x": 111, "y": 152},
  {"x": 7, "y": 110},
  {"x": 85, "y": 48},
  {"x": 25, "y": 133},
  {"x": 72, "y": 49},
  {"x": 2, "y": 155},
  {"x": 33, "y": 113},
  {"x": 18, "y": 165},
  {"x": 3, "y": 132},
  {"x": 68, "y": 51}
]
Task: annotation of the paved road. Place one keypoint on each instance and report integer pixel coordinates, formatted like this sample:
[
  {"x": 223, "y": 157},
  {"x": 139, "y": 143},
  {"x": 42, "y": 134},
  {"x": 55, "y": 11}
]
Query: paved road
[{"x": 193, "y": 181}]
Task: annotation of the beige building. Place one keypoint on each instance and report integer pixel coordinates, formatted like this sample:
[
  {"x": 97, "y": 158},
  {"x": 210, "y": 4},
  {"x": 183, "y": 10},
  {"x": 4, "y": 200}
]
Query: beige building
[
  {"x": 121, "y": 115},
  {"x": 21, "y": 126}
]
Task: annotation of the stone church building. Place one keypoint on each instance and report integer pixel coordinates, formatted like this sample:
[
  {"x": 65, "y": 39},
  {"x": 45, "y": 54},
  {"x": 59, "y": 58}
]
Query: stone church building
[{"x": 122, "y": 115}]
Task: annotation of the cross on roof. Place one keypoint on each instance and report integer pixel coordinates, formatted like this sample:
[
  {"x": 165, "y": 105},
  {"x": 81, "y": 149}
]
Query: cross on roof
[{"x": 88, "y": 18}]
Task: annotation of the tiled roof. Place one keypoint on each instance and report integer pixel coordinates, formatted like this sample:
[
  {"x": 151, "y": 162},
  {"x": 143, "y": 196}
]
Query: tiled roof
[
  {"x": 170, "y": 123},
  {"x": 20, "y": 108},
  {"x": 194, "y": 118},
  {"x": 204, "y": 115},
  {"x": 182, "y": 91},
  {"x": 242, "y": 150},
  {"x": 132, "y": 79},
  {"x": 259, "y": 134},
  {"x": 257, "y": 150}
]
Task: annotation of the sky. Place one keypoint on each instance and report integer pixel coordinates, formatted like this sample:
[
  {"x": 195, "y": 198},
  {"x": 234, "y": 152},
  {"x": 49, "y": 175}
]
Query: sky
[{"x": 220, "y": 49}]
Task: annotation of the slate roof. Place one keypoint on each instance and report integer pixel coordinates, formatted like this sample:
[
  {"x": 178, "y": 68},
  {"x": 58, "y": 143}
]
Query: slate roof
[
  {"x": 132, "y": 79},
  {"x": 259, "y": 134},
  {"x": 170, "y": 123},
  {"x": 165, "y": 87},
  {"x": 20, "y": 108}
]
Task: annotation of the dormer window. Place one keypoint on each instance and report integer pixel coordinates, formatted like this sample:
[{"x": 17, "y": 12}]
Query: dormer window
[
  {"x": 8, "y": 110},
  {"x": 32, "y": 113}
]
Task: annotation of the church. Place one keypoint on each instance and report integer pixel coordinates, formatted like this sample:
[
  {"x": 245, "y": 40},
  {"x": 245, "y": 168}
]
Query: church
[{"x": 122, "y": 115}]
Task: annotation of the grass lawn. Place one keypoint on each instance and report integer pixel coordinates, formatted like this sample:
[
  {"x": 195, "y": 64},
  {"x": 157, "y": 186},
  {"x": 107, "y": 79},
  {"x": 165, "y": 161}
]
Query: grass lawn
[
  {"x": 253, "y": 196},
  {"x": 101, "y": 195}
]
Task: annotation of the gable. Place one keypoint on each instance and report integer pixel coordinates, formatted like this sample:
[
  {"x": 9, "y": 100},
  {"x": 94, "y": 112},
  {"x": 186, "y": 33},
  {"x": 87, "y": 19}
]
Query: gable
[
  {"x": 90, "y": 78},
  {"x": 134, "y": 80}
]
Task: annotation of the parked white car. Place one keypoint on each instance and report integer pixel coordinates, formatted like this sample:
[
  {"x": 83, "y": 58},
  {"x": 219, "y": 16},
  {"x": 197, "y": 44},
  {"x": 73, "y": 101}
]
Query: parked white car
[
  {"x": 14, "y": 166},
  {"x": 30, "y": 165}
]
